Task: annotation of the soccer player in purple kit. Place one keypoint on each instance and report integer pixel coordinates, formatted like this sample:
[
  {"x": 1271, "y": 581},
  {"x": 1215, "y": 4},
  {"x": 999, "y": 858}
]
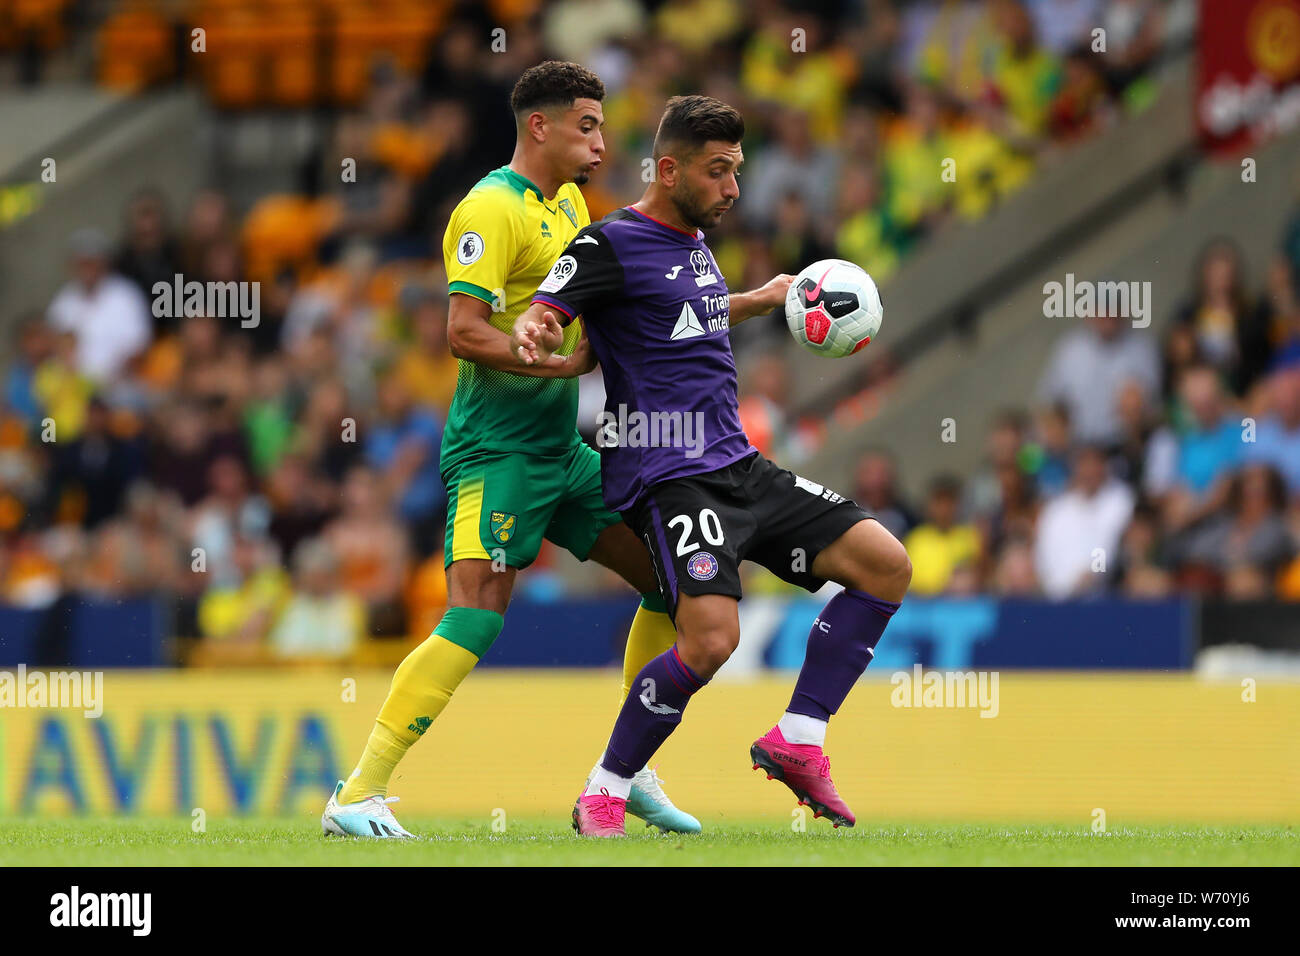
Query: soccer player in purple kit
[{"x": 677, "y": 466}]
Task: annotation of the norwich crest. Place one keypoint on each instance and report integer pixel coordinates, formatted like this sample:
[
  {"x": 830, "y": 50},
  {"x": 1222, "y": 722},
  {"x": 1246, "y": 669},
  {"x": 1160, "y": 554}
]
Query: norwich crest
[
  {"x": 503, "y": 526},
  {"x": 566, "y": 207}
]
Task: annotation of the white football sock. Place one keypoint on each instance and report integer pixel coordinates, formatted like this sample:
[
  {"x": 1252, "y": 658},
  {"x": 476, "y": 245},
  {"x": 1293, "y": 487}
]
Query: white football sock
[
  {"x": 802, "y": 729},
  {"x": 615, "y": 785}
]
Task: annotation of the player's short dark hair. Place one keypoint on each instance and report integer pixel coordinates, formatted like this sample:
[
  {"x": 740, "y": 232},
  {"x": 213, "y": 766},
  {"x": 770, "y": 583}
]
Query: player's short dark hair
[
  {"x": 691, "y": 121},
  {"x": 554, "y": 83}
]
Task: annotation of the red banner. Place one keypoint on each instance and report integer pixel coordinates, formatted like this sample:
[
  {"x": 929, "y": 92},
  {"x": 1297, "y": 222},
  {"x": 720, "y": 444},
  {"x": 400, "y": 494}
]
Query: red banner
[{"x": 1248, "y": 87}]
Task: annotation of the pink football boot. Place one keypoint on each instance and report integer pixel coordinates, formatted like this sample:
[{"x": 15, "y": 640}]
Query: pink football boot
[
  {"x": 599, "y": 815},
  {"x": 805, "y": 770}
]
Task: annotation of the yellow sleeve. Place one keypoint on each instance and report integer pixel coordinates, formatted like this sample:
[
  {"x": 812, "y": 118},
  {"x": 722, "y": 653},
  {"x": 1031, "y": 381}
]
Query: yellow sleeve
[{"x": 480, "y": 244}]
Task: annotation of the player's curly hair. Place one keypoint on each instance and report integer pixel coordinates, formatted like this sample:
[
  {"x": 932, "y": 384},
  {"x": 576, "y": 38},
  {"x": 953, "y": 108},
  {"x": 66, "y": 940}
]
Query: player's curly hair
[
  {"x": 691, "y": 121},
  {"x": 554, "y": 83}
]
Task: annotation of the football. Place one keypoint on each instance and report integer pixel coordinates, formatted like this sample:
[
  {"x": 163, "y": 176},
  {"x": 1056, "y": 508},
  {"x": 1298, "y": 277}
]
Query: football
[{"x": 833, "y": 308}]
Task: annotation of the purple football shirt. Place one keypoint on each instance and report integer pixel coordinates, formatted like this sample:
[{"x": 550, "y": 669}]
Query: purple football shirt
[{"x": 655, "y": 307}]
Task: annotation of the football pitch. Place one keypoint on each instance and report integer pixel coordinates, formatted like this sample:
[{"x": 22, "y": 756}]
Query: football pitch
[{"x": 452, "y": 842}]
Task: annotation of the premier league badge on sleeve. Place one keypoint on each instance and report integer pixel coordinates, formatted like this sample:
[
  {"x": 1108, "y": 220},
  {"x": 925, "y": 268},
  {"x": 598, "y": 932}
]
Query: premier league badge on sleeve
[{"x": 702, "y": 566}]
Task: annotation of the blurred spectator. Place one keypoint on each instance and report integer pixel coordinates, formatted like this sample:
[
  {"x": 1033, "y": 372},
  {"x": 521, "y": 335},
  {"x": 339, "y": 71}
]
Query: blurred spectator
[
  {"x": 268, "y": 415},
  {"x": 35, "y": 344},
  {"x": 1013, "y": 575},
  {"x": 62, "y": 389},
  {"x": 1047, "y": 458},
  {"x": 1089, "y": 367},
  {"x": 208, "y": 221},
  {"x": 1063, "y": 25},
  {"x": 1244, "y": 546},
  {"x": 1280, "y": 311},
  {"x": 1139, "y": 420},
  {"x": 1002, "y": 449},
  {"x": 1079, "y": 105},
  {"x": 794, "y": 164},
  {"x": 940, "y": 546},
  {"x": 1205, "y": 452},
  {"x": 427, "y": 368},
  {"x": 1079, "y": 531},
  {"x": 1230, "y": 332},
  {"x": 403, "y": 446},
  {"x": 1134, "y": 31},
  {"x": 575, "y": 29},
  {"x": 183, "y": 447},
  {"x": 95, "y": 468},
  {"x": 300, "y": 501},
  {"x": 1025, "y": 77},
  {"x": 876, "y": 489},
  {"x": 1142, "y": 567},
  {"x": 764, "y": 413},
  {"x": 320, "y": 619},
  {"x": 373, "y": 552},
  {"x": 1277, "y": 437},
  {"x": 141, "y": 551},
  {"x": 229, "y": 512},
  {"x": 149, "y": 252},
  {"x": 1016, "y": 513},
  {"x": 107, "y": 313},
  {"x": 865, "y": 235},
  {"x": 241, "y": 610}
]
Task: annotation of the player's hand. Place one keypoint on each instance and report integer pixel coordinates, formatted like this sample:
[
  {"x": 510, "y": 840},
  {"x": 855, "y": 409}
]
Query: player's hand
[
  {"x": 772, "y": 294},
  {"x": 583, "y": 358},
  {"x": 534, "y": 342}
]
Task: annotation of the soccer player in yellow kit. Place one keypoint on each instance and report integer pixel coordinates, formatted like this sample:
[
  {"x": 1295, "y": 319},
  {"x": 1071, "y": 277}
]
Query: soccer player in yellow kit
[{"x": 514, "y": 465}]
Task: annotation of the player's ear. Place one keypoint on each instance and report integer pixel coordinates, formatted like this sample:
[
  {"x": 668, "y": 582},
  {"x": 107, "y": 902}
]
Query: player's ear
[
  {"x": 667, "y": 170},
  {"x": 535, "y": 125}
]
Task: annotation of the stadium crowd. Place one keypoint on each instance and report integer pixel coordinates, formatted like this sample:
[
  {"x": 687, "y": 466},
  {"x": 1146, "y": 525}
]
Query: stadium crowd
[{"x": 279, "y": 483}]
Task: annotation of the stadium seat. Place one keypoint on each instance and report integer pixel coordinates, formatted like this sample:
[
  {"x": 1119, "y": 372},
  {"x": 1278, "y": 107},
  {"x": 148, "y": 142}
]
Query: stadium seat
[{"x": 134, "y": 49}]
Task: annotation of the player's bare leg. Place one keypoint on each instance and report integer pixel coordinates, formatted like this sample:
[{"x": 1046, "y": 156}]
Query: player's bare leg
[
  {"x": 874, "y": 569},
  {"x": 652, "y": 632}
]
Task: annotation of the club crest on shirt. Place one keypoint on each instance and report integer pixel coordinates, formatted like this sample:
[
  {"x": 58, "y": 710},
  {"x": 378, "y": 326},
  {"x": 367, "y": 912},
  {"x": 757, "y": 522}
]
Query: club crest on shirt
[
  {"x": 702, "y": 566},
  {"x": 566, "y": 207},
  {"x": 503, "y": 526},
  {"x": 702, "y": 268}
]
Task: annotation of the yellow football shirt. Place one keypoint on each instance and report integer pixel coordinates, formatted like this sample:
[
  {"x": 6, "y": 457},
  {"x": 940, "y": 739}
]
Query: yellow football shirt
[{"x": 502, "y": 240}]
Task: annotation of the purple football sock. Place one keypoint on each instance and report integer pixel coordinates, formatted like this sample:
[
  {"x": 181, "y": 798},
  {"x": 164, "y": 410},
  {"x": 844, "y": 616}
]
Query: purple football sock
[
  {"x": 840, "y": 646},
  {"x": 650, "y": 713}
]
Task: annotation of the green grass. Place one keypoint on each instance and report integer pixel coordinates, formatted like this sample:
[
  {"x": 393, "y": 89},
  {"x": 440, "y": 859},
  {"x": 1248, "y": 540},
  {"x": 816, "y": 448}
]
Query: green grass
[{"x": 298, "y": 842}]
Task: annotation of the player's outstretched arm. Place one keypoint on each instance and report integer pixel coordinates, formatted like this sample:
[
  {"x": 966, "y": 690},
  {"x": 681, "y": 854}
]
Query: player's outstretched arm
[
  {"x": 746, "y": 305},
  {"x": 471, "y": 336}
]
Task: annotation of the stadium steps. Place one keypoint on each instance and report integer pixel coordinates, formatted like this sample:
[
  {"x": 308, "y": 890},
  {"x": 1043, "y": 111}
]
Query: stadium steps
[
  {"x": 1153, "y": 234},
  {"x": 105, "y": 147}
]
